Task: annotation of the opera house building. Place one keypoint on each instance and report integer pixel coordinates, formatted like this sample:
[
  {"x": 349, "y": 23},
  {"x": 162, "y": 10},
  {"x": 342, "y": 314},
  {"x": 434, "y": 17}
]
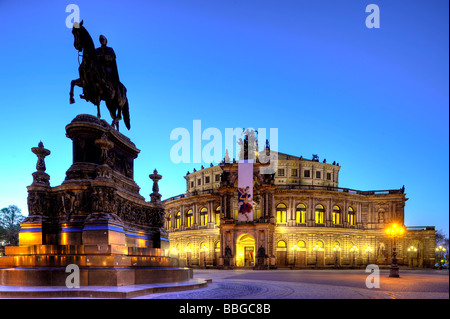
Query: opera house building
[{"x": 300, "y": 218}]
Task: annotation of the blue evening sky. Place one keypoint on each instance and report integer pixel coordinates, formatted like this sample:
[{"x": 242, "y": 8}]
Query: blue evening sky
[{"x": 374, "y": 100}]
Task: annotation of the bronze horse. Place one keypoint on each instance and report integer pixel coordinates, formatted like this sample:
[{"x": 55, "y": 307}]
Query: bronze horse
[{"x": 98, "y": 80}]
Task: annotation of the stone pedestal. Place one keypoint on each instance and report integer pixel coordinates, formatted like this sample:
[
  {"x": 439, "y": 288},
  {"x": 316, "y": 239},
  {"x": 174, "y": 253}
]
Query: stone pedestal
[
  {"x": 96, "y": 219},
  {"x": 31, "y": 232}
]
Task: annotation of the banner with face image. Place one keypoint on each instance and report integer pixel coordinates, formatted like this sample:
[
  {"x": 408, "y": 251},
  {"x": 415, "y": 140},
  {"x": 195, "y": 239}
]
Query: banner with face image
[{"x": 245, "y": 190}]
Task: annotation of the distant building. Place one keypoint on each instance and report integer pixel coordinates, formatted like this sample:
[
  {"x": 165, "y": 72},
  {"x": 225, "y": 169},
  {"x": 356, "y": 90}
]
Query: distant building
[{"x": 301, "y": 218}]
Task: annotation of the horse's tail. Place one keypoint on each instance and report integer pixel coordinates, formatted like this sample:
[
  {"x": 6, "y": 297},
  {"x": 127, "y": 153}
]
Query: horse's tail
[{"x": 126, "y": 114}]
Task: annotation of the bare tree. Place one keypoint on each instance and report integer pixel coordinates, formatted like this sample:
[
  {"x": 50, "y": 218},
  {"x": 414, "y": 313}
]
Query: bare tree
[{"x": 441, "y": 238}]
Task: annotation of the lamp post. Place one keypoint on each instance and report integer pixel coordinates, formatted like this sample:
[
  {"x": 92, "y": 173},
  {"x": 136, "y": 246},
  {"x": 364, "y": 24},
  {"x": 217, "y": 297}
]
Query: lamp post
[
  {"x": 354, "y": 249},
  {"x": 295, "y": 249},
  {"x": 187, "y": 250},
  {"x": 394, "y": 231},
  {"x": 336, "y": 250},
  {"x": 204, "y": 250},
  {"x": 410, "y": 251},
  {"x": 440, "y": 251},
  {"x": 173, "y": 252},
  {"x": 368, "y": 251},
  {"x": 316, "y": 249}
]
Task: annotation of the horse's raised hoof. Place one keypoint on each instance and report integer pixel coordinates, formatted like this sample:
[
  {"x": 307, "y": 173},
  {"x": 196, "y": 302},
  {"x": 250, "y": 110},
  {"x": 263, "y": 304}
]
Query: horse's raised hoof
[{"x": 72, "y": 100}]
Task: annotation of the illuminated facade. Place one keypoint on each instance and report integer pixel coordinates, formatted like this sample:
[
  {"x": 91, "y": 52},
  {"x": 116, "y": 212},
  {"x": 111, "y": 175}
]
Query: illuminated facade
[{"x": 301, "y": 218}]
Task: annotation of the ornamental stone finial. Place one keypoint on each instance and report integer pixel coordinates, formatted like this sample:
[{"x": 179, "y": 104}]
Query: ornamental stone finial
[
  {"x": 155, "y": 196},
  {"x": 40, "y": 177}
]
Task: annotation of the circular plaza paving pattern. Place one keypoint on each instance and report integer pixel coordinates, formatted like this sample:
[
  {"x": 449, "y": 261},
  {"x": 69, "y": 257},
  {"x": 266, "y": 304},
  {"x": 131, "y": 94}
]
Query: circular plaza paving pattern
[{"x": 314, "y": 284}]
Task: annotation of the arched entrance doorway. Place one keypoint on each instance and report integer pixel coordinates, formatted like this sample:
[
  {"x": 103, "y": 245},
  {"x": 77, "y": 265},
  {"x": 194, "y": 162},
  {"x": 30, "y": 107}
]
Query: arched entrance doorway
[
  {"x": 188, "y": 251},
  {"x": 414, "y": 254},
  {"x": 245, "y": 251},
  {"x": 300, "y": 251},
  {"x": 281, "y": 254}
]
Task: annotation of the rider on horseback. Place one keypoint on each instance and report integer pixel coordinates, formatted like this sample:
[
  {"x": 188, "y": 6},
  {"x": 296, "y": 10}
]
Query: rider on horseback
[
  {"x": 99, "y": 77},
  {"x": 107, "y": 59}
]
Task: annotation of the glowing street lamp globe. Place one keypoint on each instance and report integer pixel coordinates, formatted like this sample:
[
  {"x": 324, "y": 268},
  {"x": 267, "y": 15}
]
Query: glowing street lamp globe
[
  {"x": 440, "y": 250},
  {"x": 394, "y": 230}
]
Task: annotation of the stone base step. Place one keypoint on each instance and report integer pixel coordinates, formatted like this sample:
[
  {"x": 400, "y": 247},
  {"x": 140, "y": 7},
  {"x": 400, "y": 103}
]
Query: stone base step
[{"x": 102, "y": 292}]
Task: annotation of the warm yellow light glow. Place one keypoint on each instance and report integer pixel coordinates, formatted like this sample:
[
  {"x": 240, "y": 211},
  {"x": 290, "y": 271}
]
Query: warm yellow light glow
[
  {"x": 30, "y": 238},
  {"x": 203, "y": 217},
  {"x": 177, "y": 220},
  {"x": 245, "y": 250},
  {"x": 281, "y": 213},
  {"x": 64, "y": 238},
  {"x": 318, "y": 248},
  {"x": 395, "y": 230},
  {"x": 140, "y": 242},
  {"x": 189, "y": 218}
]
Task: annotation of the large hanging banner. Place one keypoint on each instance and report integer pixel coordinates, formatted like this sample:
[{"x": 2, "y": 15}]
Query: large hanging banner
[{"x": 245, "y": 190}]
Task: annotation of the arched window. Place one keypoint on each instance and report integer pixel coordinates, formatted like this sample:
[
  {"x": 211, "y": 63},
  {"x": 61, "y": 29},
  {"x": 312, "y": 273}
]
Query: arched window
[
  {"x": 319, "y": 214},
  {"x": 351, "y": 216},
  {"x": 281, "y": 213},
  {"x": 218, "y": 215},
  {"x": 319, "y": 246},
  {"x": 189, "y": 218},
  {"x": 203, "y": 217},
  {"x": 169, "y": 222},
  {"x": 281, "y": 244},
  {"x": 300, "y": 213},
  {"x": 301, "y": 245},
  {"x": 177, "y": 220},
  {"x": 337, "y": 216}
]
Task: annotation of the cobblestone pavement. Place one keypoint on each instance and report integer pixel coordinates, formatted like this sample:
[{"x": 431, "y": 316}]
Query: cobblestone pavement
[{"x": 314, "y": 284}]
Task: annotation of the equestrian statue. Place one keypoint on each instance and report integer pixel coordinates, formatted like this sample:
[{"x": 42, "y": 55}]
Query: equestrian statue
[{"x": 99, "y": 77}]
